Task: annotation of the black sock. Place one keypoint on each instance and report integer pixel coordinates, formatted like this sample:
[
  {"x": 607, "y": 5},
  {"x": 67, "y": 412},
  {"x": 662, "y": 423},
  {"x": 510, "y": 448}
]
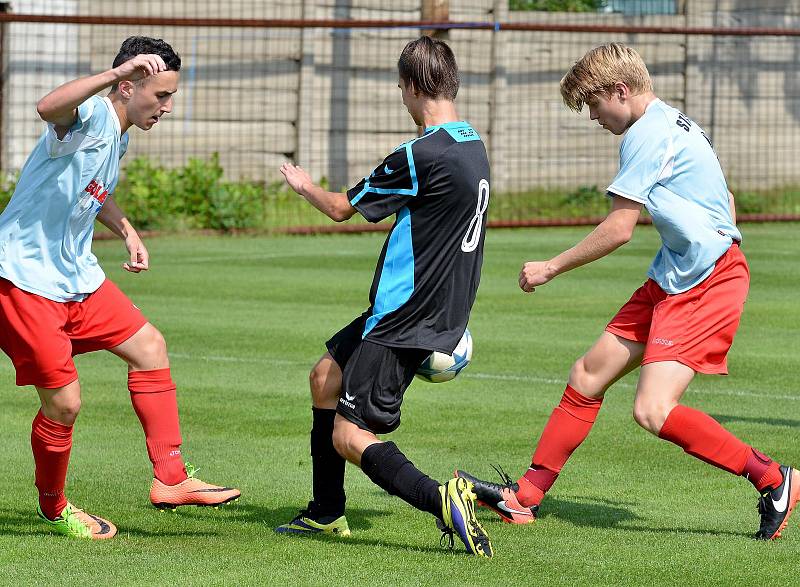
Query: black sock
[
  {"x": 327, "y": 467},
  {"x": 389, "y": 469}
]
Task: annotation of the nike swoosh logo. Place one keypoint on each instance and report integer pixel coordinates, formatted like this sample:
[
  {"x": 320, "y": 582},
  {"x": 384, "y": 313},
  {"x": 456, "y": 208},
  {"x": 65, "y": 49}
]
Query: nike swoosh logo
[
  {"x": 104, "y": 528},
  {"x": 780, "y": 504},
  {"x": 502, "y": 505},
  {"x": 349, "y": 397},
  {"x": 386, "y": 170}
]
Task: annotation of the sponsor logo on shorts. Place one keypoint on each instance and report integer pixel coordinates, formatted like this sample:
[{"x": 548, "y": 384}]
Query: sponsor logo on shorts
[
  {"x": 663, "y": 341},
  {"x": 350, "y": 405},
  {"x": 349, "y": 397}
]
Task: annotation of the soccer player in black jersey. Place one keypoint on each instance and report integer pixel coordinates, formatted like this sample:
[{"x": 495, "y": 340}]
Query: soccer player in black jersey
[{"x": 437, "y": 185}]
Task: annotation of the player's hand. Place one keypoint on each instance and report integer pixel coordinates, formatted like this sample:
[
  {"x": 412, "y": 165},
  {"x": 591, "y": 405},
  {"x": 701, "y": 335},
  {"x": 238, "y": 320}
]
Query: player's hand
[
  {"x": 140, "y": 67},
  {"x": 139, "y": 257},
  {"x": 297, "y": 177},
  {"x": 534, "y": 274}
]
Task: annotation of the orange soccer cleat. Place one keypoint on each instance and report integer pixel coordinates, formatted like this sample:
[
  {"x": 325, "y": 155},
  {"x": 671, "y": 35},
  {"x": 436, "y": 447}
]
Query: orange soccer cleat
[
  {"x": 190, "y": 491},
  {"x": 501, "y": 498}
]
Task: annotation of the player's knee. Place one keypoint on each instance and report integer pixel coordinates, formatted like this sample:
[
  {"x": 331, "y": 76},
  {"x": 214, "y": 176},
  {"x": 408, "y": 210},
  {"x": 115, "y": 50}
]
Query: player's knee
[
  {"x": 152, "y": 347},
  {"x": 341, "y": 440},
  {"x": 579, "y": 377},
  {"x": 650, "y": 414},
  {"x": 585, "y": 380},
  {"x": 316, "y": 381},
  {"x": 63, "y": 410},
  {"x": 324, "y": 387}
]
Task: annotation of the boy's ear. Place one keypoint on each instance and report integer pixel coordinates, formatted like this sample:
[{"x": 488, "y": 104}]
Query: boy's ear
[
  {"x": 622, "y": 91},
  {"x": 125, "y": 89}
]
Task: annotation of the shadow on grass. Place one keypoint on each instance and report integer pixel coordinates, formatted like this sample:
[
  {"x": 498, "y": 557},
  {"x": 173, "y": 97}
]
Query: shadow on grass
[
  {"x": 726, "y": 419},
  {"x": 604, "y": 513},
  {"x": 357, "y": 518},
  {"x": 588, "y": 511},
  {"x": 362, "y": 522},
  {"x": 19, "y": 522}
]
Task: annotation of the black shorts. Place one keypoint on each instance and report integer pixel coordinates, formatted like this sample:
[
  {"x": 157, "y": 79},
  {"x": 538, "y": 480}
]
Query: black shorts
[{"x": 374, "y": 377}]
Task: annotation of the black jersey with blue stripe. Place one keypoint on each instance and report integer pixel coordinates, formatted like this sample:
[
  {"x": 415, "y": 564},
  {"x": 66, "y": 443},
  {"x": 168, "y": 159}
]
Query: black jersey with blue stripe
[{"x": 429, "y": 269}]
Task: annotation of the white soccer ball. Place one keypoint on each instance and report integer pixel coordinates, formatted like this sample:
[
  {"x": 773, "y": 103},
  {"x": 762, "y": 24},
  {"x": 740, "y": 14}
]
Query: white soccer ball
[{"x": 440, "y": 367}]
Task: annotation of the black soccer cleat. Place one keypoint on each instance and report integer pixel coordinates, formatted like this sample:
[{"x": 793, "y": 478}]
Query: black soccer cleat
[
  {"x": 501, "y": 498},
  {"x": 776, "y": 505}
]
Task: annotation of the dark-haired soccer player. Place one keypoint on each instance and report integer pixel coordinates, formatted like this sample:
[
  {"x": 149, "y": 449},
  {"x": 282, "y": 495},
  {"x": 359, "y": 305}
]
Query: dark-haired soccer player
[
  {"x": 421, "y": 296},
  {"x": 681, "y": 321},
  {"x": 55, "y": 301}
]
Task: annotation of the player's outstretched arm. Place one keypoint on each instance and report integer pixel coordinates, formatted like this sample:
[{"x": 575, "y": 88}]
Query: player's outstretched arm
[
  {"x": 112, "y": 217},
  {"x": 609, "y": 235},
  {"x": 59, "y": 106},
  {"x": 334, "y": 205}
]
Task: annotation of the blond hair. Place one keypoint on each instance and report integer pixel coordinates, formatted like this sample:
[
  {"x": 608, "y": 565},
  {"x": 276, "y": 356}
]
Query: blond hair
[{"x": 601, "y": 68}]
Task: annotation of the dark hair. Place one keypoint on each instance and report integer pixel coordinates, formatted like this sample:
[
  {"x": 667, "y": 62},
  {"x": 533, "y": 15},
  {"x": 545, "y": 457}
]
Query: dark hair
[
  {"x": 133, "y": 46},
  {"x": 430, "y": 65}
]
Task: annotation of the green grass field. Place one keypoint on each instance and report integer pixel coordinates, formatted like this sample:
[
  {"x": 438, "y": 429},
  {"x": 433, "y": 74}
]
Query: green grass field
[{"x": 246, "y": 318}]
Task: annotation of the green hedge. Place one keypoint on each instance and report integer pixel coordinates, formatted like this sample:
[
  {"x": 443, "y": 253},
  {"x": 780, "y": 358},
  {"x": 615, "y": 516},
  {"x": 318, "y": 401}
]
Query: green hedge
[
  {"x": 197, "y": 196},
  {"x": 556, "y": 5}
]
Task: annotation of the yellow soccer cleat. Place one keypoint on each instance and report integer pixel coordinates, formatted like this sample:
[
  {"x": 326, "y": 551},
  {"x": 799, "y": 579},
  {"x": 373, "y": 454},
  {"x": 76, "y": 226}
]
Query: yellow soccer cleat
[{"x": 458, "y": 517}]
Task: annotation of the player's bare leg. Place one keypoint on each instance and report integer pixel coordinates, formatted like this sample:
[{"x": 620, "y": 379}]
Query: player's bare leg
[
  {"x": 657, "y": 409},
  {"x": 51, "y": 441},
  {"x": 660, "y": 388},
  {"x": 608, "y": 360},
  {"x": 154, "y": 400}
]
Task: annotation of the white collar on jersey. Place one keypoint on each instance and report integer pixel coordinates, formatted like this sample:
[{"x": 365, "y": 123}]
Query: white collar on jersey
[{"x": 114, "y": 115}]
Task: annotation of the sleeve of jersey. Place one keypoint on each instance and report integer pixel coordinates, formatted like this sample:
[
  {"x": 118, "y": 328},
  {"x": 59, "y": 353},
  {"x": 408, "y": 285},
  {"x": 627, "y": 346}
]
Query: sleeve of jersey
[
  {"x": 643, "y": 158},
  {"x": 388, "y": 188},
  {"x": 73, "y": 138}
]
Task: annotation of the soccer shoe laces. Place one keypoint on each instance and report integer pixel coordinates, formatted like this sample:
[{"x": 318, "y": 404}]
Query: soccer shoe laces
[
  {"x": 507, "y": 480},
  {"x": 191, "y": 470},
  {"x": 306, "y": 512},
  {"x": 73, "y": 522},
  {"x": 447, "y": 539}
]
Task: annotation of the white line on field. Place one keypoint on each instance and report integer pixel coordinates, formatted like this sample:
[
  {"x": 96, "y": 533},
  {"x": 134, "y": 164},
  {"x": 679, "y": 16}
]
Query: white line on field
[
  {"x": 224, "y": 359},
  {"x": 478, "y": 375},
  {"x": 534, "y": 379},
  {"x": 257, "y": 256}
]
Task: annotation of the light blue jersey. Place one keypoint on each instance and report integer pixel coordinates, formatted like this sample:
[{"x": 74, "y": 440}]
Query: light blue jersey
[
  {"x": 46, "y": 230},
  {"x": 668, "y": 164}
]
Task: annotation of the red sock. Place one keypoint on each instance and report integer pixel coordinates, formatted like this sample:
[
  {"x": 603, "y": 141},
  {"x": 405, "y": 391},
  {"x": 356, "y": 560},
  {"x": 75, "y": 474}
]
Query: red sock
[
  {"x": 761, "y": 471},
  {"x": 51, "y": 442},
  {"x": 568, "y": 426},
  {"x": 155, "y": 402},
  {"x": 703, "y": 437}
]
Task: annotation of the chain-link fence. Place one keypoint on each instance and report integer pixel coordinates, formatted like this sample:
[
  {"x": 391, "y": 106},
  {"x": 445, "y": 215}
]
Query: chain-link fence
[{"x": 315, "y": 81}]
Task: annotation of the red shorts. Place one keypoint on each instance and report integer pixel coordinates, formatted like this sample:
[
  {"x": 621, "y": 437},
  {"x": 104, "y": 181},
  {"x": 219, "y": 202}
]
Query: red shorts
[
  {"x": 695, "y": 327},
  {"x": 41, "y": 336}
]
